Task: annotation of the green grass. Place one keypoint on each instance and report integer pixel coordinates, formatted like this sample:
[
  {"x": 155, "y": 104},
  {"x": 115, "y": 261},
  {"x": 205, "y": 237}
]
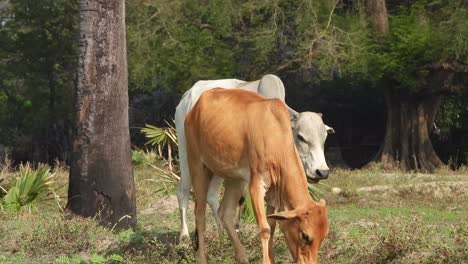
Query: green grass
[
  {"x": 427, "y": 214},
  {"x": 401, "y": 227}
]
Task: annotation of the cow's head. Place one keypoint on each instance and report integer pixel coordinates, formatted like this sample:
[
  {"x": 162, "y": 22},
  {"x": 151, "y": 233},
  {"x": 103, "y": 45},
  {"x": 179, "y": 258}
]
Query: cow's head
[
  {"x": 304, "y": 230},
  {"x": 310, "y": 134}
]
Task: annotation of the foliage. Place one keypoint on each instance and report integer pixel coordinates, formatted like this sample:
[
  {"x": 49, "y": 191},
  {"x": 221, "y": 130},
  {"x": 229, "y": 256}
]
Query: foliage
[
  {"x": 68, "y": 260},
  {"x": 37, "y": 65},
  {"x": 162, "y": 174},
  {"x": 5, "y": 175},
  {"x": 167, "y": 178},
  {"x": 163, "y": 138},
  {"x": 170, "y": 46},
  {"x": 98, "y": 259},
  {"x": 174, "y": 43},
  {"x": 160, "y": 136},
  {"x": 417, "y": 41},
  {"x": 181, "y": 43},
  {"x": 31, "y": 186},
  {"x": 315, "y": 191},
  {"x": 140, "y": 157},
  {"x": 247, "y": 212},
  {"x": 451, "y": 114}
]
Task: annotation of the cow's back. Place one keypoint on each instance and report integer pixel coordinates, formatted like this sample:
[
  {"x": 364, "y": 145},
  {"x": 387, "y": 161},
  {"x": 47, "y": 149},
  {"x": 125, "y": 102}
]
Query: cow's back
[
  {"x": 229, "y": 128},
  {"x": 190, "y": 97}
]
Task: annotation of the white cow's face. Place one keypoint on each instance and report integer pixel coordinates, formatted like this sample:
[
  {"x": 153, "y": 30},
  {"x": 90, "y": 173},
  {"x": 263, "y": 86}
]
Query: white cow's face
[{"x": 310, "y": 134}]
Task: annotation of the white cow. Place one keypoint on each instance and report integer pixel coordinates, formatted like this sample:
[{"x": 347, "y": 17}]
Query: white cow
[{"x": 308, "y": 130}]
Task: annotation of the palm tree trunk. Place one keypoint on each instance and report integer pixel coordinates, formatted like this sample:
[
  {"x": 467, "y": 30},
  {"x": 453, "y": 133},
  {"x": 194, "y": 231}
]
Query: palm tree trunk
[{"x": 101, "y": 175}]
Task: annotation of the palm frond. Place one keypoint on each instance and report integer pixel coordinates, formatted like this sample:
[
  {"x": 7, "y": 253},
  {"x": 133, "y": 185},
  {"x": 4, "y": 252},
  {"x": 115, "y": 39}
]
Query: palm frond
[{"x": 30, "y": 187}]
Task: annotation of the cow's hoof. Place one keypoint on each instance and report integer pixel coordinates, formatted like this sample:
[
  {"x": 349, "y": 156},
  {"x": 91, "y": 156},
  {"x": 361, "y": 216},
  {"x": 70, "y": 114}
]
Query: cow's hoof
[{"x": 184, "y": 238}]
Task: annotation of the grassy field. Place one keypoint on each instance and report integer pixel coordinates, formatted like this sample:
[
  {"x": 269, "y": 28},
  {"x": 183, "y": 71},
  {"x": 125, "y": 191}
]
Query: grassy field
[{"x": 375, "y": 217}]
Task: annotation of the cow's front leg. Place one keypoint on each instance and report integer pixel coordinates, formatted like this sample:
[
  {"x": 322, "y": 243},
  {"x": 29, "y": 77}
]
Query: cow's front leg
[
  {"x": 272, "y": 224},
  {"x": 257, "y": 193}
]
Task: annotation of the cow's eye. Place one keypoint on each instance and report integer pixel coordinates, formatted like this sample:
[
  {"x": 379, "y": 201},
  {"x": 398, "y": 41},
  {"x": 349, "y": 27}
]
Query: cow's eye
[
  {"x": 301, "y": 138},
  {"x": 305, "y": 237}
]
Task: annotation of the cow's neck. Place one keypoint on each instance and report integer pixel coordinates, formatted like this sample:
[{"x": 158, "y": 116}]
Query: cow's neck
[{"x": 290, "y": 190}]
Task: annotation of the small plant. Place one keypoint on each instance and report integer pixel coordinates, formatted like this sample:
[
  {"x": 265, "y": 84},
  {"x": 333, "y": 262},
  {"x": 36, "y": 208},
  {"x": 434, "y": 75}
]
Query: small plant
[
  {"x": 97, "y": 259},
  {"x": 375, "y": 167},
  {"x": 62, "y": 260},
  {"x": 162, "y": 138},
  {"x": 114, "y": 258},
  {"x": 248, "y": 212},
  {"x": 68, "y": 260},
  {"x": 140, "y": 157},
  {"x": 5, "y": 168},
  {"x": 166, "y": 177},
  {"x": 315, "y": 192},
  {"x": 31, "y": 186}
]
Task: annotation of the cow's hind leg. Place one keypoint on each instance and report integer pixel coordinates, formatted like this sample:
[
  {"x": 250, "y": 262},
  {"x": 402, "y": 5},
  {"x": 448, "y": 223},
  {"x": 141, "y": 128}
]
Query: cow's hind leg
[
  {"x": 183, "y": 195},
  {"x": 239, "y": 211},
  {"x": 183, "y": 189},
  {"x": 234, "y": 189},
  {"x": 213, "y": 198},
  {"x": 200, "y": 181}
]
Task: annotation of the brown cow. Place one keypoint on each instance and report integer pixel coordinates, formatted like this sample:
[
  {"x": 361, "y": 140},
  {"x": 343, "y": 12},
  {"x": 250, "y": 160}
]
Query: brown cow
[{"x": 245, "y": 138}]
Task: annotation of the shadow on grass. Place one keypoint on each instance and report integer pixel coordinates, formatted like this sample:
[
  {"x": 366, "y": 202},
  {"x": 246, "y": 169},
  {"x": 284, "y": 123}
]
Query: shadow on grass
[{"x": 153, "y": 246}]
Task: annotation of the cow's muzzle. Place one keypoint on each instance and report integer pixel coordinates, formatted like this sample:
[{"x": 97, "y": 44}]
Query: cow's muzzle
[
  {"x": 322, "y": 174},
  {"x": 312, "y": 180}
]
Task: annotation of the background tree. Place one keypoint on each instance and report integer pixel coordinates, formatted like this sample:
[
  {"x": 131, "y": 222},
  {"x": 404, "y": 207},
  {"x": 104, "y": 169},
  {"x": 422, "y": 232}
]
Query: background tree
[
  {"x": 37, "y": 68},
  {"x": 416, "y": 69},
  {"x": 312, "y": 45},
  {"x": 327, "y": 53},
  {"x": 101, "y": 175}
]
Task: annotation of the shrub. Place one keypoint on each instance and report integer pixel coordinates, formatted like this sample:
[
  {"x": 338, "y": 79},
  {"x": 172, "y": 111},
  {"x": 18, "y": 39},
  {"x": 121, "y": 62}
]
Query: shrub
[
  {"x": 140, "y": 157},
  {"x": 30, "y": 187},
  {"x": 162, "y": 138}
]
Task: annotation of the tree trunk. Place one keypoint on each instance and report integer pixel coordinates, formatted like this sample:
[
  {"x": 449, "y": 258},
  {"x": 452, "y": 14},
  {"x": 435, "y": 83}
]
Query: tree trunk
[
  {"x": 101, "y": 175},
  {"x": 407, "y": 144},
  {"x": 378, "y": 12}
]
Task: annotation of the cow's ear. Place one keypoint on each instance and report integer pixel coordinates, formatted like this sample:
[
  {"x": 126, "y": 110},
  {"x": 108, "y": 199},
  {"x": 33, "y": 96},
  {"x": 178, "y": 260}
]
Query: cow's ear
[
  {"x": 322, "y": 203},
  {"x": 285, "y": 215},
  {"x": 330, "y": 130},
  {"x": 294, "y": 117}
]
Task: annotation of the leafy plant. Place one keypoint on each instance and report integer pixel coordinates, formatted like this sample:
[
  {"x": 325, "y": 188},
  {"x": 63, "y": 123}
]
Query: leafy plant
[
  {"x": 166, "y": 177},
  {"x": 97, "y": 259},
  {"x": 30, "y": 187},
  {"x": 162, "y": 138},
  {"x": 68, "y": 260},
  {"x": 5, "y": 168},
  {"x": 114, "y": 258},
  {"x": 140, "y": 157},
  {"x": 248, "y": 212},
  {"x": 315, "y": 192}
]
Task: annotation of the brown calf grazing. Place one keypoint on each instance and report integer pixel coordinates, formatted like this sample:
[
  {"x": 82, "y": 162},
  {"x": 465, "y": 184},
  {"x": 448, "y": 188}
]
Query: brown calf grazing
[{"x": 245, "y": 138}]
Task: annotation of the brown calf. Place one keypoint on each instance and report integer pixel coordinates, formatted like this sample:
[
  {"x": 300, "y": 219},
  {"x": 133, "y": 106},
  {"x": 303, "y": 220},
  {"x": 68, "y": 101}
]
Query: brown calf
[{"x": 247, "y": 139}]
